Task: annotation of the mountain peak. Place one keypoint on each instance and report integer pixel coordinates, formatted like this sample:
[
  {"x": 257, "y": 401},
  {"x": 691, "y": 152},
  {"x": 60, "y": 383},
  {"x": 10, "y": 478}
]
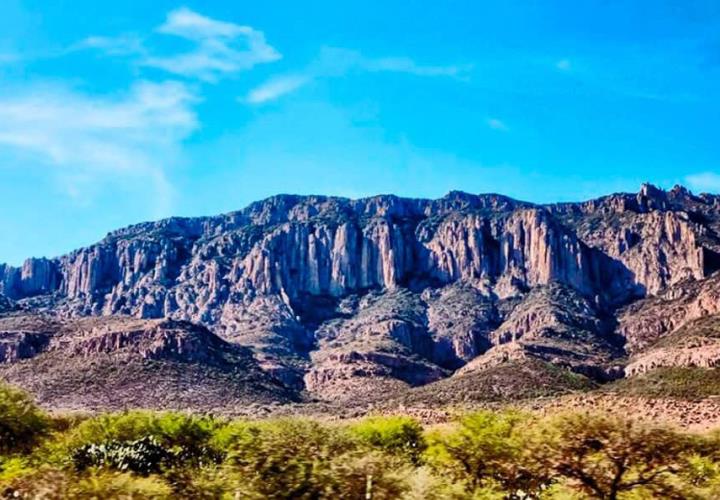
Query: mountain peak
[{"x": 333, "y": 294}]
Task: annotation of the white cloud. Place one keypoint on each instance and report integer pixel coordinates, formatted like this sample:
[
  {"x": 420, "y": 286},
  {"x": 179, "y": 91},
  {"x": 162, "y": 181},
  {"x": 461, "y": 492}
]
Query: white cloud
[
  {"x": 88, "y": 138},
  {"x": 704, "y": 181},
  {"x": 406, "y": 65},
  {"x": 218, "y": 49},
  {"x": 275, "y": 88},
  {"x": 497, "y": 124},
  {"x": 336, "y": 62},
  {"x": 123, "y": 45},
  {"x": 563, "y": 65},
  {"x": 189, "y": 24},
  {"x": 221, "y": 47}
]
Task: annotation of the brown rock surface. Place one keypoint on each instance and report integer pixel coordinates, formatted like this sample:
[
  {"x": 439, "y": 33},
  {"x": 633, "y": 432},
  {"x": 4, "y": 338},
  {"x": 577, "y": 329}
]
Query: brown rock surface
[
  {"x": 343, "y": 297},
  {"x": 116, "y": 363}
]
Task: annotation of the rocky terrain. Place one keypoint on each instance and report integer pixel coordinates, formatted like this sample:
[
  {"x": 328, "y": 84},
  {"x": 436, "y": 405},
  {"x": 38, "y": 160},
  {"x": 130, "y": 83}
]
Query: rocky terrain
[{"x": 322, "y": 300}]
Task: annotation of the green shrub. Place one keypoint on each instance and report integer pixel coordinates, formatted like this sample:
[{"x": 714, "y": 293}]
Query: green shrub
[
  {"x": 304, "y": 459},
  {"x": 170, "y": 428},
  {"x": 605, "y": 457},
  {"x": 287, "y": 458},
  {"x": 21, "y": 422},
  {"x": 233, "y": 434},
  {"x": 206, "y": 482},
  {"x": 397, "y": 435},
  {"x": 52, "y": 483},
  {"x": 184, "y": 437},
  {"x": 483, "y": 455},
  {"x": 365, "y": 474},
  {"x": 15, "y": 466},
  {"x": 143, "y": 456},
  {"x": 486, "y": 451},
  {"x": 107, "y": 485}
]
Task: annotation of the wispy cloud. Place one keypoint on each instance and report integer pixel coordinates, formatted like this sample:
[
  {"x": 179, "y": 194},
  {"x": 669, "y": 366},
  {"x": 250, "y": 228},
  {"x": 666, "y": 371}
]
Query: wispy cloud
[
  {"x": 219, "y": 48},
  {"x": 89, "y": 137},
  {"x": 123, "y": 45},
  {"x": 189, "y": 24},
  {"x": 497, "y": 124},
  {"x": 704, "y": 181},
  {"x": 336, "y": 62},
  {"x": 275, "y": 88},
  {"x": 136, "y": 134},
  {"x": 407, "y": 65},
  {"x": 564, "y": 65}
]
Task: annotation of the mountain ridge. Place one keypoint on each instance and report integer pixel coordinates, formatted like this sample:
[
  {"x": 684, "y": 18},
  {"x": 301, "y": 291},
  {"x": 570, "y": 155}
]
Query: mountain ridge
[{"x": 330, "y": 293}]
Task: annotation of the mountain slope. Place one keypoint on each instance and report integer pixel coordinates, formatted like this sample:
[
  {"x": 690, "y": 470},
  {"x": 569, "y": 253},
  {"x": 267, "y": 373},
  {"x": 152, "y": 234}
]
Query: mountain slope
[
  {"x": 346, "y": 298},
  {"x": 117, "y": 363}
]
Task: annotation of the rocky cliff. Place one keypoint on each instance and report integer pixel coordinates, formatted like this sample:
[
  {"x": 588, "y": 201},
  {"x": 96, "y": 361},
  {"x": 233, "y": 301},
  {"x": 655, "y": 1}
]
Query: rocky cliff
[{"x": 330, "y": 292}]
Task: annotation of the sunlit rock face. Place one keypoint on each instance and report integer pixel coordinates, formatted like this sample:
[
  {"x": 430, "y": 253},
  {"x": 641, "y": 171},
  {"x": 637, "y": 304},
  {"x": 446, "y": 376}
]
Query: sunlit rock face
[{"x": 273, "y": 275}]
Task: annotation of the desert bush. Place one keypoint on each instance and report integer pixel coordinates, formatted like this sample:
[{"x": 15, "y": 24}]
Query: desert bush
[
  {"x": 233, "y": 434},
  {"x": 397, "y": 435},
  {"x": 304, "y": 459},
  {"x": 607, "y": 457},
  {"x": 288, "y": 458},
  {"x": 22, "y": 423},
  {"x": 483, "y": 455},
  {"x": 423, "y": 483},
  {"x": 170, "y": 428},
  {"x": 184, "y": 438},
  {"x": 701, "y": 477},
  {"x": 117, "y": 485},
  {"x": 53, "y": 483},
  {"x": 487, "y": 452},
  {"x": 143, "y": 456},
  {"x": 365, "y": 474},
  {"x": 14, "y": 467},
  {"x": 209, "y": 482}
]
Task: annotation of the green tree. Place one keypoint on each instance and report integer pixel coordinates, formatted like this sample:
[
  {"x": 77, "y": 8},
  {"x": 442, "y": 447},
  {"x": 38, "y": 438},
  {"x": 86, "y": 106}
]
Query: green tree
[
  {"x": 304, "y": 459},
  {"x": 22, "y": 423},
  {"x": 487, "y": 451},
  {"x": 398, "y": 435},
  {"x": 607, "y": 457}
]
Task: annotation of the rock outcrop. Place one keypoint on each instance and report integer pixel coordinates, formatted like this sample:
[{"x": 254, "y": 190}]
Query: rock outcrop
[
  {"x": 290, "y": 246},
  {"x": 645, "y": 322},
  {"x": 115, "y": 363},
  {"x": 556, "y": 324},
  {"x": 330, "y": 293},
  {"x": 696, "y": 344}
]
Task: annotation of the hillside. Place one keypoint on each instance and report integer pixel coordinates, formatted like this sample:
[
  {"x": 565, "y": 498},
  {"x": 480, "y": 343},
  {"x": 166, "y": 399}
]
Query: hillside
[{"x": 313, "y": 299}]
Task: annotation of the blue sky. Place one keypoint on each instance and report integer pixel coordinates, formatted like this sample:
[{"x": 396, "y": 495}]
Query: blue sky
[{"x": 118, "y": 112}]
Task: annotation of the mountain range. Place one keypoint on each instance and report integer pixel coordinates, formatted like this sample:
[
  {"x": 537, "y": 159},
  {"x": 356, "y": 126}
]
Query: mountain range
[{"x": 300, "y": 300}]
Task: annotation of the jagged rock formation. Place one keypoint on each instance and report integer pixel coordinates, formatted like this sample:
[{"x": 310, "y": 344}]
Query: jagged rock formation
[
  {"x": 556, "y": 324},
  {"x": 644, "y": 322},
  {"x": 335, "y": 296},
  {"x": 661, "y": 237},
  {"x": 696, "y": 344},
  {"x": 382, "y": 336}
]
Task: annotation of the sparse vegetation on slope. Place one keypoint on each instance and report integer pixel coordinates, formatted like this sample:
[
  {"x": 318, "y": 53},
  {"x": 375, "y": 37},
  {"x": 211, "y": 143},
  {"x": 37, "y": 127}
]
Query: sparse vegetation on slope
[
  {"x": 674, "y": 382},
  {"x": 506, "y": 382},
  {"x": 506, "y": 454}
]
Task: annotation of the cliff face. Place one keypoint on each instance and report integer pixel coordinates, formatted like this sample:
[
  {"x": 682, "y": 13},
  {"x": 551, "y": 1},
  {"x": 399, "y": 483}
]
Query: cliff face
[
  {"x": 660, "y": 237},
  {"x": 276, "y": 275},
  {"x": 317, "y": 246}
]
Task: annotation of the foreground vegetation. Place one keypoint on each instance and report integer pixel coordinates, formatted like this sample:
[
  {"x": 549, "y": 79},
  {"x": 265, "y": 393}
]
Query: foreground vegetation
[{"x": 484, "y": 455}]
